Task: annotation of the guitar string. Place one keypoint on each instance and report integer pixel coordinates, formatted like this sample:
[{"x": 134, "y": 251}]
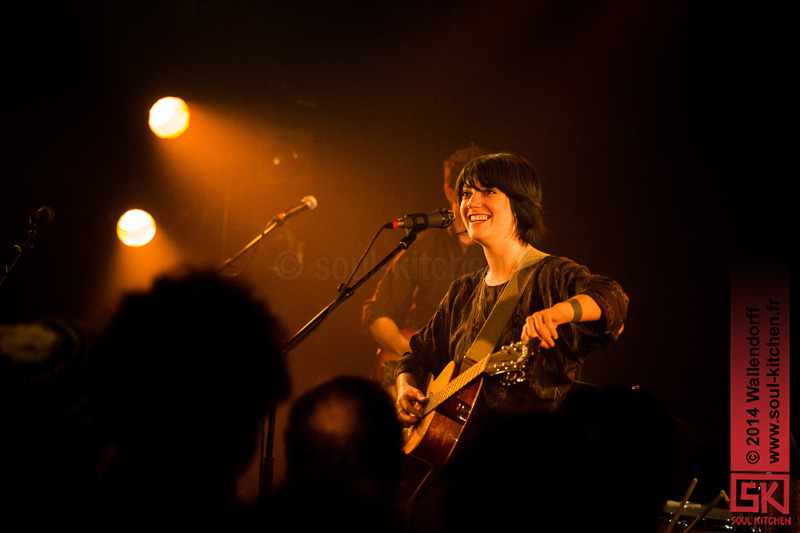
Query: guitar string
[
  {"x": 454, "y": 386},
  {"x": 459, "y": 382}
]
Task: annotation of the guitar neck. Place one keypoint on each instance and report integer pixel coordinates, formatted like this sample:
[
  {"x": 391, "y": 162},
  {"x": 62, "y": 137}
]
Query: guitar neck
[{"x": 454, "y": 386}]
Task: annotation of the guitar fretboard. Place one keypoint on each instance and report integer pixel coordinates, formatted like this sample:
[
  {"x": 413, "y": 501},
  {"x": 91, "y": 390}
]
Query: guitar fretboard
[{"x": 455, "y": 385}]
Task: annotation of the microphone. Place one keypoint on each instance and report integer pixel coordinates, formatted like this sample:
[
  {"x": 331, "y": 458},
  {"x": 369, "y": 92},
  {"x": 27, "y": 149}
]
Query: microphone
[
  {"x": 308, "y": 203},
  {"x": 43, "y": 215},
  {"x": 441, "y": 218}
]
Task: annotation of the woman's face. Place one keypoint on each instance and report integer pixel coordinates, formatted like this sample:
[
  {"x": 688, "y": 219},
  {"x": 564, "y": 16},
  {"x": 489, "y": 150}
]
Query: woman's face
[{"x": 487, "y": 214}]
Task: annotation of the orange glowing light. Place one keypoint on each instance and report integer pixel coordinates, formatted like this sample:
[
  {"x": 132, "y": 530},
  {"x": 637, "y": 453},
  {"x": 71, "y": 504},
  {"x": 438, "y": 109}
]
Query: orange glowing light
[
  {"x": 169, "y": 117},
  {"x": 136, "y": 228}
]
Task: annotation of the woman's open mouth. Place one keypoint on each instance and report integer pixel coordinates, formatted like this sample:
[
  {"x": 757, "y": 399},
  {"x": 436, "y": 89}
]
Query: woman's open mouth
[{"x": 478, "y": 218}]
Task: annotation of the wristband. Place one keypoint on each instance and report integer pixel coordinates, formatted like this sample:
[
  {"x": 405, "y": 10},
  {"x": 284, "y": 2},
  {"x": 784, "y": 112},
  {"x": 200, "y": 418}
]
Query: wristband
[{"x": 576, "y": 309}]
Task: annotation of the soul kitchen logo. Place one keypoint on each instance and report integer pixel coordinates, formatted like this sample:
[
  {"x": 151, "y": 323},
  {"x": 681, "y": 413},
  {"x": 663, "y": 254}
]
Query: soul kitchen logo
[{"x": 760, "y": 493}]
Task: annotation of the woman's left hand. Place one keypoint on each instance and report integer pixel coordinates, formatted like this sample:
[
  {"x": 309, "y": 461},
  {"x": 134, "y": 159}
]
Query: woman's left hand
[{"x": 542, "y": 324}]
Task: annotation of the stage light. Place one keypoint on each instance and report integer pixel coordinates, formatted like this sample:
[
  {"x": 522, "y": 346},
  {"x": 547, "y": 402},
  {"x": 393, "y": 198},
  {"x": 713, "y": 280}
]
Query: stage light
[
  {"x": 169, "y": 117},
  {"x": 136, "y": 228}
]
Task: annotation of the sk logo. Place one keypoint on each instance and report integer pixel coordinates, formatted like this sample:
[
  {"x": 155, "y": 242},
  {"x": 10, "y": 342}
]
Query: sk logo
[{"x": 755, "y": 493}]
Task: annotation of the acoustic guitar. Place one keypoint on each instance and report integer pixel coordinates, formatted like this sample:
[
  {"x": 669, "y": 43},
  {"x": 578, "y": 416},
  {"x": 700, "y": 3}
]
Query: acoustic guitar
[{"x": 432, "y": 440}]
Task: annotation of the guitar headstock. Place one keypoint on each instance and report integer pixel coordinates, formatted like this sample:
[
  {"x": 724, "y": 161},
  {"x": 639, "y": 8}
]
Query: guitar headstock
[{"x": 511, "y": 362}]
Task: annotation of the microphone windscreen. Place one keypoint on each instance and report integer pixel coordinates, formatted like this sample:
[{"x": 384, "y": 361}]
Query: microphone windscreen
[{"x": 310, "y": 201}]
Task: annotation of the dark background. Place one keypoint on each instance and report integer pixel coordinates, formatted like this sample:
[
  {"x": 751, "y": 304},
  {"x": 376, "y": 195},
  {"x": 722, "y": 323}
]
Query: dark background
[{"x": 657, "y": 129}]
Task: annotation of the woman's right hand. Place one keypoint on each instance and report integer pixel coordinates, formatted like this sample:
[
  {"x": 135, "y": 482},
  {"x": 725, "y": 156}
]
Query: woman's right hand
[{"x": 409, "y": 401}]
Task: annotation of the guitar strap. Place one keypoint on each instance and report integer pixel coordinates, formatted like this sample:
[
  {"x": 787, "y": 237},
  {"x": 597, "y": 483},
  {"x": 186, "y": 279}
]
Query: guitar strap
[{"x": 498, "y": 317}]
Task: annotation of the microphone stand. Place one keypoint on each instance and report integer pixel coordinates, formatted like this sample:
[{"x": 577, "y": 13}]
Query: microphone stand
[
  {"x": 274, "y": 223},
  {"x": 308, "y": 203},
  {"x": 345, "y": 292},
  {"x": 33, "y": 232}
]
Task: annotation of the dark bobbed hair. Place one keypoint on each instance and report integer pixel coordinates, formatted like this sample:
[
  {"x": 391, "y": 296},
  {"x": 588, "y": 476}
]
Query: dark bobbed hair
[{"x": 516, "y": 178}]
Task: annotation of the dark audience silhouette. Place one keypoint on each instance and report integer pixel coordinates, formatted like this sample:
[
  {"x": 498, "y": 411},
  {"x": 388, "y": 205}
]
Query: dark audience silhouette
[
  {"x": 152, "y": 426},
  {"x": 185, "y": 374},
  {"x": 603, "y": 460},
  {"x": 49, "y": 444},
  {"x": 632, "y": 451},
  {"x": 343, "y": 458}
]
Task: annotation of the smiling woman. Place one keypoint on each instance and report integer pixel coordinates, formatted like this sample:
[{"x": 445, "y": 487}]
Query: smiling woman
[
  {"x": 555, "y": 304},
  {"x": 514, "y": 177},
  {"x": 551, "y": 309}
]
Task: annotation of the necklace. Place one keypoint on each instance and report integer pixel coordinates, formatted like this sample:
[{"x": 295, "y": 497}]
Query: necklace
[{"x": 521, "y": 254}]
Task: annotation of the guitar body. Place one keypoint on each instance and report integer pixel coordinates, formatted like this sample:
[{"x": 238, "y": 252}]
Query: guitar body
[
  {"x": 430, "y": 443},
  {"x": 434, "y": 438}
]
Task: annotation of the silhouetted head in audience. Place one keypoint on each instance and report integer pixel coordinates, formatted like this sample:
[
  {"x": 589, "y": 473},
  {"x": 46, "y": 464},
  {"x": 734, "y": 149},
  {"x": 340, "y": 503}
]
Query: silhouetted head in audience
[
  {"x": 632, "y": 448},
  {"x": 343, "y": 451},
  {"x": 344, "y": 432},
  {"x": 186, "y": 372},
  {"x": 519, "y": 473}
]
